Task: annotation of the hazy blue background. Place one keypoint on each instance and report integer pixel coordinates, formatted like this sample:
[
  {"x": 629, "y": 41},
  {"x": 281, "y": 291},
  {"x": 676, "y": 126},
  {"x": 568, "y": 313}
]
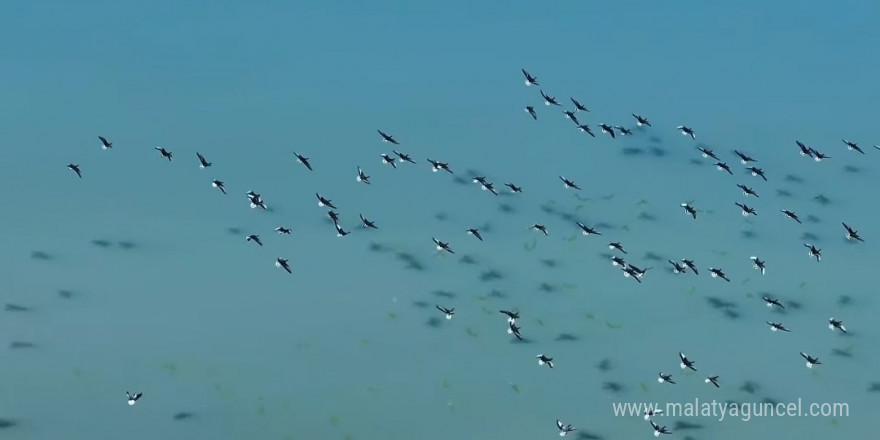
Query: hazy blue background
[{"x": 177, "y": 306}]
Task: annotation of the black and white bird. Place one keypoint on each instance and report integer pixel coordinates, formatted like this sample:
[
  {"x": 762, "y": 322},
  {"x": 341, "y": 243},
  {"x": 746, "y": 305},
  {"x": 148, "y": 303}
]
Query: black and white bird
[
  {"x": 578, "y": 106},
  {"x": 513, "y": 188},
  {"x": 852, "y": 146},
  {"x": 282, "y": 263},
  {"x": 219, "y": 185},
  {"x": 586, "y": 129},
  {"x": 757, "y": 172},
  {"x": 813, "y": 252},
  {"x": 513, "y": 329},
  {"x": 511, "y": 316},
  {"x": 570, "y": 116},
  {"x": 805, "y": 150},
  {"x": 651, "y": 412},
  {"x": 777, "y": 327},
  {"x": 333, "y": 216},
  {"x": 746, "y": 209},
  {"x": 835, "y": 324},
  {"x": 708, "y": 153},
  {"x": 641, "y": 120},
  {"x": 388, "y": 160},
  {"x": 747, "y": 191},
  {"x": 810, "y": 360},
  {"x": 403, "y": 157},
  {"x": 744, "y": 158},
  {"x": 772, "y": 302},
  {"x": 75, "y": 168},
  {"x": 339, "y": 231},
  {"x": 722, "y": 166},
  {"x": 791, "y": 215},
  {"x": 665, "y": 378},
  {"x": 586, "y": 230},
  {"x": 687, "y": 131},
  {"x": 531, "y": 111},
  {"x": 689, "y": 210},
  {"x": 164, "y": 153},
  {"x": 476, "y": 233},
  {"x": 442, "y": 247},
  {"x": 564, "y": 429},
  {"x": 283, "y": 230},
  {"x": 677, "y": 268},
  {"x": 202, "y": 162},
  {"x": 367, "y": 223},
  {"x": 718, "y": 273},
  {"x": 614, "y": 245},
  {"x": 690, "y": 264},
  {"x": 540, "y": 228},
  {"x": 133, "y": 398},
  {"x": 852, "y": 234},
  {"x": 256, "y": 201},
  {"x": 685, "y": 362},
  {"x": 607, "y": 129},
  {"x": 436, "y": 166},
  {"x": 659, "y": 429},
  {"x": 254, "y": 238},
  {"x": 325, "y": 202},
  {"x": 818, "y": 156},
  {"x": 623, "y": 130},
  {"x": 758, "y": 264},
  {"x": 447, "y": 312},
  {"x": 362, "y": 177},
  {"x": 545, "y": 360},
  {"x": 303, "y": 160},
  {"x": 713, "y": 380},
  {"x": 530, "y": 80},
  {"x": 549, "y": 100},
  {"x": 569, "y": 184},
  {"x": 388, "y": 138},
  {"x": 105, "y": 144}
]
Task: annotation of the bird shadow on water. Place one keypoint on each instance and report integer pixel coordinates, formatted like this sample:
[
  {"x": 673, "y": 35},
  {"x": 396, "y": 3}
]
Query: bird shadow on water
[
  {"x": 17, "y": 308},
  {"x": 566, "y": 337},
  {"x": 410, "y": 261},
  {"x": 41, "y": 255},
  {"x": 582, "y": 435},
  {"x": 18, "y": 345},
  {"x": 549, "y": 263},
  {"x": 491, "y": 275},
  {"x": 612, "y": 387},
  {"x": 8, "y": 423},
  {"x": 444, "y": 294},
  {"x": 506, "y": 208},
  {"x": 468, "y": 259},
  {"x": 183, "y": 415},
  {"x": 681, "y": 425},
  {"x": 727, "y": 308},
  {"x": 434, "y": 322}
]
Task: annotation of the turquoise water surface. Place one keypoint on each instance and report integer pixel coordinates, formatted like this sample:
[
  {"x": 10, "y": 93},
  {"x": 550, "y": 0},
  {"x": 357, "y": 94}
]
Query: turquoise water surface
[{"x": 137, "y": 277}]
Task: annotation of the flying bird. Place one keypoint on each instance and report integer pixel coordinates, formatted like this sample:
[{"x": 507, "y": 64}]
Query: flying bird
[
  {"x": 687, "y": 131},
  {"x": 164, "y": 153},
  {"x": 530, "y": 80},
  {"x": 303, "y": 160},
  {"x": 282, "y": 263},
  {"x": 133, "y": 398},
  {"x": 219, "y": 185},
  {"x": 388, "y": 138},
  {"x": 202, "y": 162},
  {"x": 75, "y": 168},
  {"x": 105, "y": 144}
]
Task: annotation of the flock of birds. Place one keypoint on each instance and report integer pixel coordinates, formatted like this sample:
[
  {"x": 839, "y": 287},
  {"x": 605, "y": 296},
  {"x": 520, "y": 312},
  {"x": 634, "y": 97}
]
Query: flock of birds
[{"x": 629, "y": 270}]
